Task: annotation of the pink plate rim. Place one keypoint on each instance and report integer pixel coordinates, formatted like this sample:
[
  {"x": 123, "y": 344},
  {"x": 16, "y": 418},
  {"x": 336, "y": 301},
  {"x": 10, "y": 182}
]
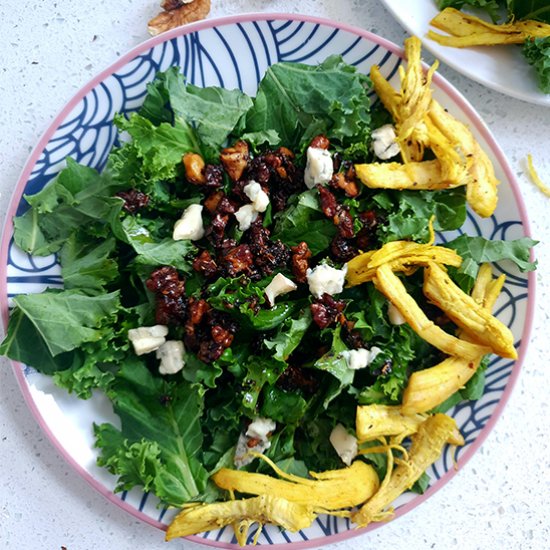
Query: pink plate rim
[{"x": 443, "y": 84}]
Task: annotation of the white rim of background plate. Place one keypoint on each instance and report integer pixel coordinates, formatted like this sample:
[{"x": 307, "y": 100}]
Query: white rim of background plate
[
  {"x": 445, "y": 54},
  {"x": 441, "y": 83}
]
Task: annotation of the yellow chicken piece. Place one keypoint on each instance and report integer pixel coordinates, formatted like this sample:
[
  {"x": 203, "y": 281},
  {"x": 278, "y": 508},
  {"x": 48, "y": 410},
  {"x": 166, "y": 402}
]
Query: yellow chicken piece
[
  {"x": 330, "y": 490},
  {"x": 389, "y": 284},
  {"x": 405, "y": 256},
  {"x": 429, "y": 387},
  {"x": 427, "y": 445},
  {"x": 375, "y": 421},
  {"x": 243, "y": 513},
  {"x": 475, "y": 320},
  {"x": 468, "y": 30}
]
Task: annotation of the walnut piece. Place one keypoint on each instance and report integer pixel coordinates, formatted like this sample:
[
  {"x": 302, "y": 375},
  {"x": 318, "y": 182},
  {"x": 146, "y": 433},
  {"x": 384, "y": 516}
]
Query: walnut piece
[{"x": 178, "y": 13}]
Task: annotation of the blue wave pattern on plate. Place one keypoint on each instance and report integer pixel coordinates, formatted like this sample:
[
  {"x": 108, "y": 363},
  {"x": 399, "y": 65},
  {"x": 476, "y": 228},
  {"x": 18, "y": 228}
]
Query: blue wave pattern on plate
[{"x": 236, "y": 56}]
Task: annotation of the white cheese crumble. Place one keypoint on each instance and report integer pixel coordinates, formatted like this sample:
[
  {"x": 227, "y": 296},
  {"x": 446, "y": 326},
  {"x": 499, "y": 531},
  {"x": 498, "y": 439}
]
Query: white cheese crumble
[
  {"x": 189, "y": 226},
  {"x": 318, "y": 167},
  {"x": 245, "y": 216},
  {"x": 384, "y": 142},
  {"x": 395, "y": 316},
  {"x": 248, "y": 213},
  {"x": 360, "y": 358},
  {"x": 171, "y": 357},
  {"x": 254, "y": 439},
  {"x": 147, "y": 339},
  {"x": 279, "y": 285},
  {"x": 326, "y": 279},
  {"x": 259, "y": 198},
  {"x": 344, "y": 444}
]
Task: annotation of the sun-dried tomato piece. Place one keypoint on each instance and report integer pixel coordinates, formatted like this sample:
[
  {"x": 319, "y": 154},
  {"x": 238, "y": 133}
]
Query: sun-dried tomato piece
[
  {"x": 320, "y": 142},
  {"x": 300, "y": 261},
  {"x": 205, "y": 264},
  {"x": 326, "y": 310},
  {"x": 134, "y": 200},
  {"x": 235, "y": 159}
]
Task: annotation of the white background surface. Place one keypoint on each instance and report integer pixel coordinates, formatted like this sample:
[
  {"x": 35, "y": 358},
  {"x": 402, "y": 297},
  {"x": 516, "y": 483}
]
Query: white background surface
[{"x": 49, "y": 49}]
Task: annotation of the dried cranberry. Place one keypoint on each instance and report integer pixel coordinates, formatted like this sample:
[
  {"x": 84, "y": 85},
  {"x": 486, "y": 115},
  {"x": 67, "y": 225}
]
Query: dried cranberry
[
  {"x": 342, "y": 249},
  {"x": 297, "y": 378},
  {"x": 209, "y": 351},
  {"x": 213, "y": 174},
  {"x": 134, "y": 200},
  {"x": 326, "y": 310},
  {"x": 169, "y": 290}
]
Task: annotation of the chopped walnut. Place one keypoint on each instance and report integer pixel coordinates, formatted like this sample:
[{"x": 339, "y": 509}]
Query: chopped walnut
[
  {"x": 341, "y": 181},
  {"x": 300, "y": 261},
  {"x": 320, "y": 142},
  {"x": 194, "y": 168},
  {"x": 205, "y": 264},
  {"x": 235, "y": 159},
  {"x": 178, "y": 12}
]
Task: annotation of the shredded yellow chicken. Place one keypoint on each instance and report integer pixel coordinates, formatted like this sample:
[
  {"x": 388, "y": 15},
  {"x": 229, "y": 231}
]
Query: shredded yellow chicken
[
  {"x": 535, "y": 176},
  {"x": 423, "y": 123},
  {"x": 467, "y": 30},
  {"x": 427, "y": 444}
]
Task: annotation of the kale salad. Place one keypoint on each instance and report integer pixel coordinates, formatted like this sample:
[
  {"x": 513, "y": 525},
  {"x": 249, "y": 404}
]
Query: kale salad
[{"x": 204, "y": 275}]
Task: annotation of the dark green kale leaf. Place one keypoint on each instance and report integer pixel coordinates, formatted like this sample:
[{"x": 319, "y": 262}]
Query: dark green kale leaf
[
  {"x": 77, "y": 199},
  {"x": 303, "y": 220},
  {"x": 409, "y": 213},
  {"x": 87, "y": 265},
  {"x": 539, "y": 10},
  {"x": 289, "y": 336},
  {"x": 65, "y": 320},
  {"x": 477, "y": 250},
  {"x": 159, "y": 444},
  {"x": 537, "y": 53},
  {"x": 300, "y": 101}
]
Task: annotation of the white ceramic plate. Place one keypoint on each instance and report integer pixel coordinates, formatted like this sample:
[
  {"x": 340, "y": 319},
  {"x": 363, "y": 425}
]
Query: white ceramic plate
[
  {"x": 502, "y": 68},
  {"x": 235, "y": 52}
]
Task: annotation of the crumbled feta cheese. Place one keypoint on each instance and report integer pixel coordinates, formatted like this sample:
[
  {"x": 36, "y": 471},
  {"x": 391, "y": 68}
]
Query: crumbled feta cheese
[
  {"x": 279, "y": 285},
  {"x": 147, "y": 339},
  {"x": 344, "y": 444},
  {"x": 384, "y": 142},
  {"x": 260, "y": 427},
  {"x": 254, "y": 439},
  {"x": 360, "y": 358},
  {"x": 245, "y": 216},
  {"x": 395, "y": 316},
  {"x": 318, "y": 167},
  {"x": 189, "y": 226},
  {"x": 259, "y": 198},
  {"x": 171, "y": 357},
  {"x": 326, "y": 279}
]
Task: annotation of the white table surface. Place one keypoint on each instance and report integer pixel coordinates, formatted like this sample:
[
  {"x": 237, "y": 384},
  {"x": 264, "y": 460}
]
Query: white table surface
[{"x": 49, "y": 49}]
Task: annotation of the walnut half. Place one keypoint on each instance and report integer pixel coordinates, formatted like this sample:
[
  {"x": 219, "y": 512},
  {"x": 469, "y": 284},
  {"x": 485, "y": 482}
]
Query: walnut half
[{"x": 177, "y": 13}]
